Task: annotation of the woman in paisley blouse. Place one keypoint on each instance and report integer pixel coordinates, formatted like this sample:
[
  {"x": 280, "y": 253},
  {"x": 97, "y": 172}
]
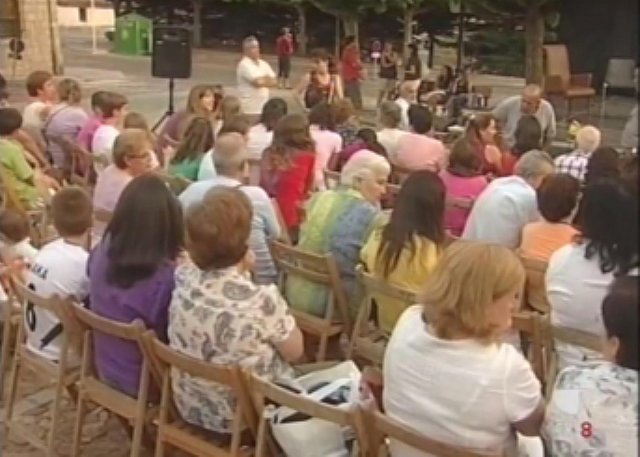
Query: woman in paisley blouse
[
  {"x": 219, "y": 315},
  {"x": 339, "y": 221},
  {"x": 594, "y": 407}
]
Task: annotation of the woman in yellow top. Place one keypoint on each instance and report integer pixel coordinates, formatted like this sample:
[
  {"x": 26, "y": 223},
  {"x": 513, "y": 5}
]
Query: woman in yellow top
[{"x": 404, "y": 250}]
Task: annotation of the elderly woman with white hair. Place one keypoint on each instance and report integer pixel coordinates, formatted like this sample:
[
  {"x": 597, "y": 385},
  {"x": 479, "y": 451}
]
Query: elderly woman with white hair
[
  {"x": 339, "y": 221},
  {"x": 575, "y": 163}
]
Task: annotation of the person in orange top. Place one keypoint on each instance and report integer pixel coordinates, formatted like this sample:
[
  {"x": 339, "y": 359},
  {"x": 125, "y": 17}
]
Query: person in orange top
[{"x": 558, "y": 197}]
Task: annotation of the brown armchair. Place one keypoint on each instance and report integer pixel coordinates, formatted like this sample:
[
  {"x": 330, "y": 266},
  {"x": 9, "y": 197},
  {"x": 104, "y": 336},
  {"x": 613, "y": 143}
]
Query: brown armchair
[{"x": 560, "y": 83}]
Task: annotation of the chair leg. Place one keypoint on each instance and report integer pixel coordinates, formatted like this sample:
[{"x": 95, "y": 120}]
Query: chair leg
[
  {"x": 11, "y": 393},
  {"x": 7, "y": 332},
  {"x": 55, "y": 415},
  {"x": 136, "y": 439},
  {"x": 322, "y": 350},
  {"x": 81, "y": 411},
  {"x": 159, "y": 443}
]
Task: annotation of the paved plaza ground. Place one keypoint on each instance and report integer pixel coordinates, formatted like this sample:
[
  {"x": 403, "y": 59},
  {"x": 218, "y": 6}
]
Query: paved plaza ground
[{"x": 149, "y": 96}]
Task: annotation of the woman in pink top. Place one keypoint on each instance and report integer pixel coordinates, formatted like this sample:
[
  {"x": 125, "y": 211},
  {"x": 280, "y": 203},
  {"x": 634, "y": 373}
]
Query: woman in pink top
[
  {"x": 463, "y": 181},
  {"x": 558, "y": 197},
  {"x": 132, "y": 156},
  {"x": 481, "y": 134},
  {"x": 328, "y": 142}
]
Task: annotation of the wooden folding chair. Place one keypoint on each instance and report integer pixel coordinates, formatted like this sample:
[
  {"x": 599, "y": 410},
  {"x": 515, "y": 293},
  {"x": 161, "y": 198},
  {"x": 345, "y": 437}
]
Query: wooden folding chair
[
  {"x": 11, "y": 318},
  {"x": 92, "y": 390},
  {"x": 368, "y": 341},
  {"x": 266, "y": 394},
  {"x": 322, "y": 270},
  {"x": 529, "y": 325},
  {"x": 570, "y": 336},
  {"x": 173, "y": 430},
  {"x": 284, "y": 237},
  {"x": 535, "y": 291},
  {"x": 64, "y": 376},
  {"x": 379, "y": 428},
  {"x": 331, "y": 178}
]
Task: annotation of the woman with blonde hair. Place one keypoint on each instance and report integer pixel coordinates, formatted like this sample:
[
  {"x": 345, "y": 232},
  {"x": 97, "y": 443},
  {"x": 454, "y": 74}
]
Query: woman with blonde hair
[
  {"x": 65, "y": 121},
  {"x": 447, "y": 373},
  {"x": 203, "y": 100},
  {"x": 287, "y": 171}
]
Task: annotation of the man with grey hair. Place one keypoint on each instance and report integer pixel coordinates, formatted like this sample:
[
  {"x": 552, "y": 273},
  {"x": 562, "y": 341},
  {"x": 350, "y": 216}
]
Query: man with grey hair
[
  {"x": 508, "y": 204},
  {"x": 232, "y": 167},
  {"x": 509, "y": 111},
  {"x": 254, "y": 77},
  {"x": 407, "y": 96},
  {"x": 575, "y": 163}
]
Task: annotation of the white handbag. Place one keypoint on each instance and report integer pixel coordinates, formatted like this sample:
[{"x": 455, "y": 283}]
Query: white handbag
[{"x": 313, "y": 437}]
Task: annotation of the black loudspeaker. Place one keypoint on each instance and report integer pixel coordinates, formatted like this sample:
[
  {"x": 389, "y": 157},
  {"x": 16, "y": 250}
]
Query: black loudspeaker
[{"x": 171, "y": 52}]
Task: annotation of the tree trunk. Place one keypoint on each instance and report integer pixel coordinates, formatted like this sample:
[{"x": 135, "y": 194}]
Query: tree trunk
[
  {"x": 302, "y": 30},
  {"x": 350, "y": 26},
  {"x": 534, "y": 40},
  {"x": 432, "y": 48},
  {"x": 116, "y": 7},
  {"x": 407, "y": 26},
  {"x": 197, "y": 22}
]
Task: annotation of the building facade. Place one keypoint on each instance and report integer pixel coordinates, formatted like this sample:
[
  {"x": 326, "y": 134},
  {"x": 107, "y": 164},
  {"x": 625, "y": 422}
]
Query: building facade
[
  {"x": 85, "y": 13},
  {"x": 35, "y": 24}
]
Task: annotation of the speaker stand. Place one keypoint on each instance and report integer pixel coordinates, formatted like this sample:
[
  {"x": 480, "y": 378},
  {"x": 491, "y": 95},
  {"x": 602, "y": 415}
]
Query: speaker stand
[{"x": 170, "y": 109}]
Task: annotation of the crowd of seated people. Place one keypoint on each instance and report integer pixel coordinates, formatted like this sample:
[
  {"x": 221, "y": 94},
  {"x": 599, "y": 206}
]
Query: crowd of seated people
[{"x": 195, "y": 265}]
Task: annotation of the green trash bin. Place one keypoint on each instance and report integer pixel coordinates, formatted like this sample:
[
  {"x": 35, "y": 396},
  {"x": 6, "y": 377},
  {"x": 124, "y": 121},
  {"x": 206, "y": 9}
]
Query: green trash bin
[{"x": 133, "y": 35}]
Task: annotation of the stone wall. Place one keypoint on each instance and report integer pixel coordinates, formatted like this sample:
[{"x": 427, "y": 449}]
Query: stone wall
[{"x": 39, "y": 32}]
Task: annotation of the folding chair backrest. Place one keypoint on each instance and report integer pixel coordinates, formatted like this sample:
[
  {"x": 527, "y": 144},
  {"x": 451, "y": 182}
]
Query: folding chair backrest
[
  {"x": 167, "y": 358},
  {"x": 331, "y": 179},
  {"x": 383, "y": 426},
  {"x": 620, "y": 73},
  {"x": 283, "y": 226},
  {"x": 535, "y": 292},
  {"x": 319, "y": 269},
  {"x": 530, "y": 326},
  {"x": 366, "y": 342},
  {"x": 266, "y": 393},
  {"x": 131, "y": 332}
]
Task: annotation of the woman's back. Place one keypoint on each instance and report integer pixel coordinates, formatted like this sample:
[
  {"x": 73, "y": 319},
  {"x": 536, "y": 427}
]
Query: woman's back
[
  {"x": 221, "y": 317},
  {"x": 460, "y": 187},
  {"x": 119, "y": 362},
  {"x": 459, "y": 392},
  {"x": 187, "y": 168},
  {"x": 415, "y": 263}
]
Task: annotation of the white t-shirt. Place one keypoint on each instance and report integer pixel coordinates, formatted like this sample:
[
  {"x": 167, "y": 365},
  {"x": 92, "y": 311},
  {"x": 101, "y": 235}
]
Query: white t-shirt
[
  {"x": 458, "y": 392},
  {"x": 327, "y": 144},
  {"x": 575, "y": 289},
  {"x": 32, "y": 115},
  {"x": 103, "y": 141},
  {"x": 258, "y": 139},
  {"x": 501, "y": 212},
  {"x": 60, "y": 268},
  {"x": 389, "y": 139},
  {"x": 252, "y": 98},
  {"x": 404, "y": 113}
]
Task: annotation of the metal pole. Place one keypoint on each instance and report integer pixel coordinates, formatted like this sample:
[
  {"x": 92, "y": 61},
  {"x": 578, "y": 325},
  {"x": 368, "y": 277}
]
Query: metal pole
[
  {"x": 460, "y": 50},
  {"x": 94, "y": 34}
]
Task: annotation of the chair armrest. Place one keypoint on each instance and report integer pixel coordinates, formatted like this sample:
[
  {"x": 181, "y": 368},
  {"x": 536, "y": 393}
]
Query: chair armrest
[
  {"x": 553, "y": 84},
  {"x": 581, "y": 80}
]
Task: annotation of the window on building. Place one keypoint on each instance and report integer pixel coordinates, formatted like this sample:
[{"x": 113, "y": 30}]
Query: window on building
[
  {"x": 82, "y": 14},
  {"x": 9, "y": 19}
]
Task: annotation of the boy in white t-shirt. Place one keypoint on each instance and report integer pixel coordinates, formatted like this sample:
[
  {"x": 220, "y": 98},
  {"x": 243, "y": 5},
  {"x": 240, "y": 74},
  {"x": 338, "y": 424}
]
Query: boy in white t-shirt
[{"x": 60, "y": 269}]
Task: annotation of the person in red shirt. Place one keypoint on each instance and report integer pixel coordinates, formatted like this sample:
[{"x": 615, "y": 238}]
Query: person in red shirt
[
  {"x": 284, "y": 48},
  {"x": 352, "y": 71},
  {"x": 287, "y": 169}
]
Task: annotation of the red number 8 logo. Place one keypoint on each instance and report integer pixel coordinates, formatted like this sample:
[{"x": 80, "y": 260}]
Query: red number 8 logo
[{"x": 585, "y": 430}]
